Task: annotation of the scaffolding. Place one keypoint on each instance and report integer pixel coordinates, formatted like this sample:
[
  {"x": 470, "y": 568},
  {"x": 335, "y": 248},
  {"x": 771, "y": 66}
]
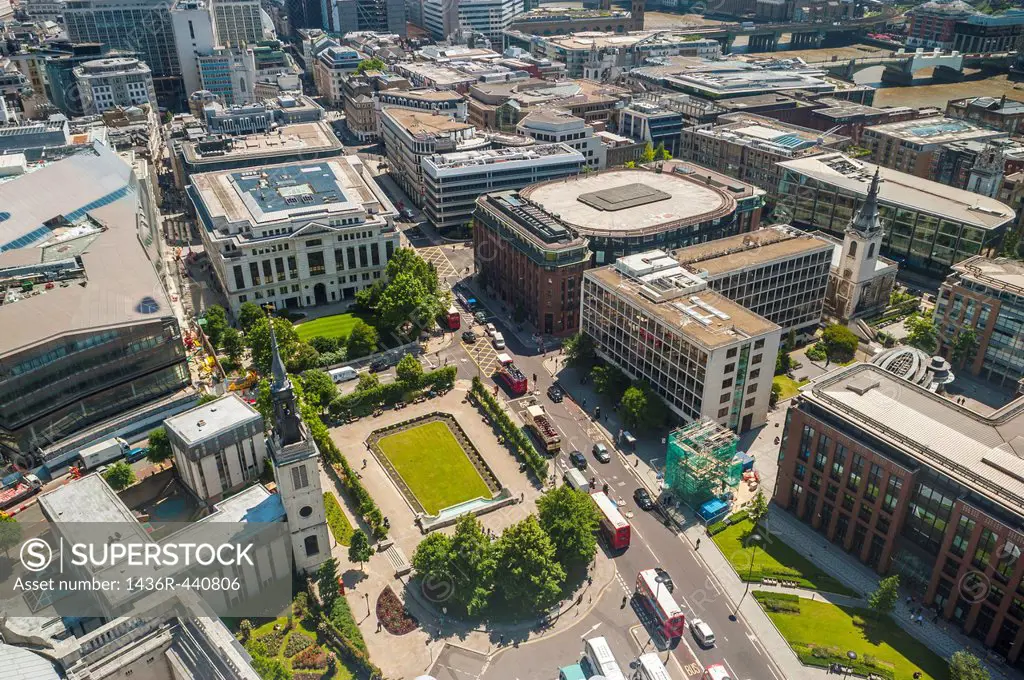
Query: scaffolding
[{"x": 701, "y": 462}]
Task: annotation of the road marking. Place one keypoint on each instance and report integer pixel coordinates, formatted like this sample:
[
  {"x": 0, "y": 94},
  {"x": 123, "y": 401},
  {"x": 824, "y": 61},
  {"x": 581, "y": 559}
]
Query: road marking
[
  {"x": 756, "y": 644},
  {"x": 732, "y": 673},
  {"x": 692, "y": 669},
  {"x": 591, "y": 629}
]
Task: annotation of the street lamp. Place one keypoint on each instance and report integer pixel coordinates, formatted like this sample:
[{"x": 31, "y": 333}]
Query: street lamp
[{"x": 755, "y": 539}]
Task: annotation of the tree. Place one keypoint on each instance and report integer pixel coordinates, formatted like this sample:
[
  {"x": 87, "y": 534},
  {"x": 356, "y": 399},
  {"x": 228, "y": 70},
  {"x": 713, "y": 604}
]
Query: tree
[
  {"x": 965, "y": 666},
  {"x": 362, "y": 340},
  {"x": 579, "y": 350},
  {"x": 258, "y": 339},
  {"x": 327, "y": 582},
  {"x": 790, "y": 344},
  {"x": 965, "y": 346},
  {"x": 206, "y": 398},
  {"x": 120, "y": 475},
  {"x": 531, "y": 577},
  {"x": 233, "y": 344},
  {"x": 661, "y": 153},
  {"x": 406, "y": 298},
  {"x": 783, "y": 362},
  {"x": 324, "y": 345},
  {"x": 472, "y": 565},
  {"x": 432, "y": 561},
  {"x": 409, "y": 261},
  {"x": 409, "y": 371},
  {"x": 630, "y": 164},
  {"x": 159, "y": 446},
  {"x": 270, "y": 669},
  {"x": 248, "y": 314},
  {"x": 359, "y": 549},
  {"x": 374, "y": 64},
  {"x": 839, "y": 343},
  {"x": 10, "y": 533},
  {"x": 366, "y": 298},
  {"x": 648, "y": 155},
  {"x": 922, "y": 333},
  {"x": 758, "y": 508},
  {"x": 216, "y": 324},
  {"x": 776, "y": 393},
  {"x": 632, "y": 405},
  {"x": 264, "y": 401},
  {"x": 367, "y": 381},
  {"x": 245, "y": 629},
  {"x": 569, "y": 518},
  {"x": 885, "y": 596},
  {"x": 609, "y": 381},
  {"x": 318, "y": 387},
  {"x": 303, "y": 358}
]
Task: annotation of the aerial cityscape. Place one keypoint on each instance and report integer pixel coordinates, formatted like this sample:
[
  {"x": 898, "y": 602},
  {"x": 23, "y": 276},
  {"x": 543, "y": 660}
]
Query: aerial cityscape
[{"x": 511, "y": 339}]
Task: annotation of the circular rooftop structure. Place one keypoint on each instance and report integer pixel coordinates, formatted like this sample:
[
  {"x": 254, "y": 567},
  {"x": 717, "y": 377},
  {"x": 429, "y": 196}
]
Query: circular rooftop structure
[
  {"x": 913, "y": 365},
  {"x": 630, "y": 202}
]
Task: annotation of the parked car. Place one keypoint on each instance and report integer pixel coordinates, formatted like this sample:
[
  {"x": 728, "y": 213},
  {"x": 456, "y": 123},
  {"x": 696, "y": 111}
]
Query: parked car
[
  {"x": 491, "y": 330},
  {"x": 555, "y": 394},
  {"x": 468, "y": 336},
  {"x": 643, "y": 499},
  {"x": 665, "y": 579},
  {"x": 601, "y": 453},
  {"x": 409, "y": 215},
  {"x": 578, "y": 460},
  {"x": 498, "y": 340},
  {"x": 378, "y": 365},
  {"x": 481, "y": 317},
  {"x": 137, "y": 453}
]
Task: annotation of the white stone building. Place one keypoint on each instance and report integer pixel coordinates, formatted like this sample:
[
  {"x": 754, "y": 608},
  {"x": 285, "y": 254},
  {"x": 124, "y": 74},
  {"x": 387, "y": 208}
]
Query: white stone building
[{"x": 118, "y": 81}]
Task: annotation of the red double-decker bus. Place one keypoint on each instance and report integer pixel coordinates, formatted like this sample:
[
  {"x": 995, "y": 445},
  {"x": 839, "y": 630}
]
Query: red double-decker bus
[
  {"x": 661, "y": 604},
  {"x": 613, "y": 525},
  {"x": 514, "y": 378},
  {"x": 454, "y": 319}
]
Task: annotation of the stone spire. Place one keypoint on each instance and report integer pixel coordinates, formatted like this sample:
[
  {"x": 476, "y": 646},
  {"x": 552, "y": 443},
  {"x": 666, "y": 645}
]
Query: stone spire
[
  {"x": 277, "y": 365},
  {"x": 867, "y": 221},
  {"x": 286, "y": 412}
]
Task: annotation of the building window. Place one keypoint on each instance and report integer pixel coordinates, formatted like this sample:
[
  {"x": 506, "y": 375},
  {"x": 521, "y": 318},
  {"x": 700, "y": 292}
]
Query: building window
[
  {"x": 306, "y": 511},
  {"x": 874, "y": 482},
  {"x": 729, "y": 368},
  {"x": 723, "y": 412},
  {"x": 727, "y": 383},
  {"x": 300, "y": 479},
  {"x": 724, "y": 398},
  {"x": 962, "y": 537},
  {"x": 856, "y": 470},
  {"x": 731, "y": 353},
  {"x": 838, "y": 462},
  {"x": 984, "y": 550},
  {"x": 892, "y": 493},
  {"x": 756, "y": 360},
  {"x": 806, "y": 439},
  {"x": 312, "y": 546}
]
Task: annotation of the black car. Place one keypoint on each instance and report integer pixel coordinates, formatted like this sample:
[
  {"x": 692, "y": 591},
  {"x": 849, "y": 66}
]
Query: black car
[
  {"x": 665, "y": 579},
  {"x": 578, "y": 460},
  {"x": 378, "y": 365},
  {"x": 555, "y": 394},
  {"x": 468, "y": 336},
  {"x": 481, "y": 317},
  {"x": 643, "y": 499}
]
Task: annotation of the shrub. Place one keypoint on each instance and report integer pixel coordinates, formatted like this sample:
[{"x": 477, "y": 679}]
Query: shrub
[
  {"x": 313, "y": 657},
  {"x": 817, "y": 353},
  {"x": 515, "y": 438},
  {"x": 737, "y": 517},
  {"x": 342, "y": 619},
  {"x": 717, "y": 528},
  {"x": 272, "y": 642},
  {"x": 296, "y": 643}
]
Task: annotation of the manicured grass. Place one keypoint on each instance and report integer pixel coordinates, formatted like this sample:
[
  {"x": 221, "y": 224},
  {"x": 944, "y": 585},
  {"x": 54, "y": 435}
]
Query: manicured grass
[
  {"x": 831, "y": 628},
  {"x": 430, "y": 461},
  {"x": 790, "y": 387},
  {"x": 342, "y": 673},
  {"x": 337, "y": 520},
  {"x": 337, "y": 326},
  {"x": 773, "y": 559}
]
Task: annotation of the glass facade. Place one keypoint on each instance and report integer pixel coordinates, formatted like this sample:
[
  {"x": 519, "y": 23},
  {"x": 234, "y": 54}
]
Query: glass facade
[{"x": 919, "y": 240}]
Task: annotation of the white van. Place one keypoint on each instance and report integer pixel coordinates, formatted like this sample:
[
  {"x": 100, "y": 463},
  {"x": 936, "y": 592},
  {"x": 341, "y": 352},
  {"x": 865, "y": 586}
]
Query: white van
[
  {"x": 599, "y": 657},
  {"x": 650, "y": 667},
  {"x": 576, "y": 480},
  {"x": 702, "y": 633},
  {"x": 343, "y": 374},
  {"x": 498, "y": 340}
]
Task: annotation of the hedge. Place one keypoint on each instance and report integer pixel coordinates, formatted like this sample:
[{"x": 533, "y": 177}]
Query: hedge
[
  {"x": 823, "y": 657},
  {"x": 778, "y": 602},
  {"x": 736, "y": 517},
  {"x": 515, "y": 438},
  {"x": 717, "y": 528},
  {"x": 363, "y": 402},
  {"x": 343, "y": 634}
]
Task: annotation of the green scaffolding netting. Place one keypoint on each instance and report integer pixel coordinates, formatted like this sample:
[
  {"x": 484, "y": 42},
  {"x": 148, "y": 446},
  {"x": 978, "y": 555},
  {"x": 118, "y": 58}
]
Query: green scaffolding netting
[{"x": 701, "y": 462}]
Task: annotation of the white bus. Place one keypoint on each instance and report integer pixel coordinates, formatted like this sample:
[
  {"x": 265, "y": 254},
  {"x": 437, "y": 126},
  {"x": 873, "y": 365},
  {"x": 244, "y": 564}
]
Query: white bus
[
  {"x": 576, "y": 480},
  {"x": 650, "y": 667},
  {"x": 601, "y": 660}
]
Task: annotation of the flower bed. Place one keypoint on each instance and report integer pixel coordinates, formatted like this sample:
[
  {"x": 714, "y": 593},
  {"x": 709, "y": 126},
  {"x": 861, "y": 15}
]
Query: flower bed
[
  {"x": 272, "y": 641},
  {"x": 393, "y": 615},
  {"x": 312, "y": 657},
  {"x": 296, "y": 643}
]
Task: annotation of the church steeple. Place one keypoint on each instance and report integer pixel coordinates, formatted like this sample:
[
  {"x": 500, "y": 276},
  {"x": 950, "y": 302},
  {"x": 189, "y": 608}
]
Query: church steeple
[
  {"x": 867, "y": 220},
  {"x": 277, "y": 365},
  {"x": 286, "y": 415}
]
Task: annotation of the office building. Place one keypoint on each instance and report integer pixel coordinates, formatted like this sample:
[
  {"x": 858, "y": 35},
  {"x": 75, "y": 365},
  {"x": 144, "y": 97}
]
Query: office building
[
  {"x": 617, "y": 150},
  {"x": 990, "y": 33},
  {"x": 919, "y": 367},
  {"x": 379, "y": 16},
  {"x": 264, "y": 116},
  {"x": 239, "y": 22},
  {"x": 748, "y": 146},
  {"x": 410, "y": 135},
  {"x": 648, "y": 122},
  {"x": 706, "y": 356},
  {"x": 88, "y": 329},
  {"x": 928, "y": 226},
  {"x": 778, "y": 272},
  {"x": 444, "y": 102},
  {"x": 911, "y": 483},
  {"x": 194, "y": 36},
  {"x": 978, "y": 167},
  {"x": 987, "y": 296},
  {"x": 749, "y": 199},
  {"x": 502, "y": 105},
  {"x": 553, "y": 20},
  {"x": 218, "y": 447},
  {"x": 1002, "y": 113},
  {"x": 488, "y": 17},
  {"x": 360, "y": 95},
  {"x": 332, "y": 64},
  {"x": 117, "y": 81},
  {"x": 297, "y": 234},
  {"x": 933, "y": 24},
  {"x": 911, "y": 145},
  {"x": 561, "y": 127},
  {"x": 453, "y": 181}
]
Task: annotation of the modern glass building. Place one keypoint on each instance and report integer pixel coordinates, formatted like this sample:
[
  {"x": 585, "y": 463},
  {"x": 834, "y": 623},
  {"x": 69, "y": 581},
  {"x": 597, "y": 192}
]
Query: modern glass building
[{"x": 928, "y": 226}]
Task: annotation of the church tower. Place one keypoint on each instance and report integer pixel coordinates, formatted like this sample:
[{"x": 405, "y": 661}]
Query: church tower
[
  {"x": 863, "y": 239},
  {"x": 297, "y": 472}
]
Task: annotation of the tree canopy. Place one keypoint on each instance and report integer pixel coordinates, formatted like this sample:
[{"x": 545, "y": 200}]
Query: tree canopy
[
  {"x": 258, "y": 339},
  {"x": 318, "y": 387},
  {"x": 609, "y": 381},
  {"x": 839, "y": 343},
  {"x": 327, "y": 582},
  {"x": 362, "y": 340},
  {"x": 922, "y": 333},
  {"x": 884, "y": 599},
  {"x": 359, "y": 549},
  {"x": 159, "y": 446},
  {"x": 374, "y": 64},
  {"x": 965, "y": 666},
  {"x": 233, "y": 343},
  {"x": 642, "y": 408},
  {"x": 531, "y": 577},
  {"x": 569, "y": 518},
  {"x": 409, "y": 370},
  {"x": 965, "y": 346},
  {"x": 10, "y": 532},
  {"x": 579, "y": 350},
  {"x": 216, "y": 323},
  {"x": 648, "y": 155},
  {"x": 472, "y": 565},
  {"x": 120, "y": 475},
  {"x": 248, "y": 314}
]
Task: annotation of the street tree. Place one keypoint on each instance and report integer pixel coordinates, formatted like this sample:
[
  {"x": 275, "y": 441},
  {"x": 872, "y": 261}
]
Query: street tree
[
  {"x": 776, "y": 393},
  {"x": 758, "y": 508},
  {"x": 530, "y": 578},
  {"x": 10, "y": 533},
  {"x": 632, "y": 406},
  {"x": 839, "y": 343},
  {"x": 216, "y": 323},
  {"x": 258, "y": 340},
  {"x": 405, "y": 298},
  {"x": 432, "y": 561},
  {"x": 303, "y": 358},
  {"x": 362, "y": 340},
  {"x": 783, "y": 362},
  {"x": 407, "y": 260},
  {"x": 569, "y": 518},
  {"x": 318, "y": 387},
  {"x": 248, "y": 314},
  {"x": 359, "y": 548},
  {"x": 648, "y": 155},
  {"x": 327, "y": 583},
  {"x": 965, "y": 346},
  {"x": 579, "y": 350},
  {"x": 472, "y": 565},
  {"x": 367, "y": 381},
  {"x": 609, "y": 381},
  {"x": 233, "y": 343},
  {"x": 159, "y": 446},
  {"x": 965, "y": 666},
  {"x": 120, "y": 475},
  {"x": 922, "y": 333},
  {"x": 884, "y": 599},
  {"x": 409, "y": 370}
]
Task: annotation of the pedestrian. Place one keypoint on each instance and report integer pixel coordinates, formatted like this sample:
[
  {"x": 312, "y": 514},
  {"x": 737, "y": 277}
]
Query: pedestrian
[
  {"x": 935, "y": 619},
  {"x": 624, "y": 600},
  {"x": 908, "y": 600},
  {"x": 584, "y": 401},
  {"x": 378, "y": 626},
  {"x": 364, "y": 463},
  {"x": 636, "y": 463},
  {"x": 698, "y": 544}
]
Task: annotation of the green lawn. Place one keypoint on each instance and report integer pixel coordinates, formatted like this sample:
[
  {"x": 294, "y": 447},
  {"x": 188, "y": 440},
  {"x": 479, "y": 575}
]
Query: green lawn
[
  {"x": 430, "y": 461},
  {"x": 337, "y": 520},
  {"x": 342, "y": 673},
  {"x": 773, "y": 559},
  {"x": 337, "y": 326},
  {"x": 834, "y": 629},
  {"x": 789, "y": 387}
]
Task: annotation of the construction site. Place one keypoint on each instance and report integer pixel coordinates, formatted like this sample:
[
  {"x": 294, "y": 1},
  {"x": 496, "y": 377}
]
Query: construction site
[{"x": 702, "y": 469}]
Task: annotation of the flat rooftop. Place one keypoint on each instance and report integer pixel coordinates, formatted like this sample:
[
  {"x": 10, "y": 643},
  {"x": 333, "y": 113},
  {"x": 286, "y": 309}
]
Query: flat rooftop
[
  {"x": 211, "y": 419},
  {"x": 935, "y": 130},
  {"x": 770, "y": 134},
  {"x": 733, "y": 78},
  {"x": 759, "y": 247},
  {"x": 1000, "y": 273},
  {"x": 532, "y": 222},
  {"x": 569, "y": 14},
  {"x": 310, "y": 137},
  {"x": 584, "y": 40},
  {"x": 622, "y": 203},
  {"x": 254, "y": 504},
  {"x": 734, "y": 187},
  {"x": 426, "y": 95},
  {"x": 423, "y": 123},
  {"x": 89, "y": 499},
  {"x": 901, "y": 189},
  {"x": 983, "y": 453},
  {"x": 738, "y": 323},
  {"x": 491, "y": 157}
]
